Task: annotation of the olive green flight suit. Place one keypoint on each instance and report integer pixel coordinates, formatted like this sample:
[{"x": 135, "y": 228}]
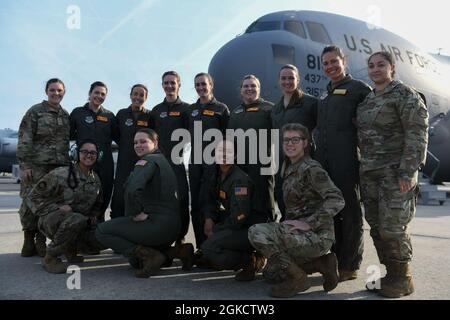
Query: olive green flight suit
[{"x": 150, "y": 188}]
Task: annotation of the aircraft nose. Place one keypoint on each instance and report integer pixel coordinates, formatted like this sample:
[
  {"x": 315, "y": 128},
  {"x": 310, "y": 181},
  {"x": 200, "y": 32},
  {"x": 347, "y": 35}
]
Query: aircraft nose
[{"x": 246, "y": 54}]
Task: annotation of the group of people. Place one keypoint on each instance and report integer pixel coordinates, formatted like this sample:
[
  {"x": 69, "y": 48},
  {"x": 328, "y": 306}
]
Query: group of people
[{"x": 353, "y": 143}]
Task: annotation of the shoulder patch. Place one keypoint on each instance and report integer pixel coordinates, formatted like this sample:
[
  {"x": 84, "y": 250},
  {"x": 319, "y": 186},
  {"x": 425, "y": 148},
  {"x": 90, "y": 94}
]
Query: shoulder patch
[
  {"x": 129, "y": 122},
  {"x": 89, "y": 119},
  {"x": 238, "y": 110},
  {"x": 141, "y": 163},
  {"x": 42, "y": 186},
  {"x": 240, "y": 191}
]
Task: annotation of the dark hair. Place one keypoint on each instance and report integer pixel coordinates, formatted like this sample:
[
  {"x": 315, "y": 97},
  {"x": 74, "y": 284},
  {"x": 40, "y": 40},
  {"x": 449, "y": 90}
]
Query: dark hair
[
  {"x": 386, "y": 56},
  {"x": 297, "y": 127},
  {"x": 97, "y": 84},
  {"x": 335, "y": 49},
  {"x": 171, "y": 73},
  {"x": 152, "y": 135},
  {"x": 139, "y": 86},
  {"x": 290, "y": 67},
  {"x": 72, "y": 180},
  {"x": 54, "y": 80},
  {"x": 85, "y": 141},
  {"x": 210, "y": 78},
  {"x": 250, "y": 76}
]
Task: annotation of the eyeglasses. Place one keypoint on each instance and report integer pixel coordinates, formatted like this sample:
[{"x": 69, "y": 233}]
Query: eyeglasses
[
  {"x": 293, "y": 140},
  {"x": 91, "y": 153}
]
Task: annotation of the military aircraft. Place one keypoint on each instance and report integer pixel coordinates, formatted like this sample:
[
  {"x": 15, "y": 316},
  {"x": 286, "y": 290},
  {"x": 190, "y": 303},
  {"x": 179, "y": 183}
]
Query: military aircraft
[
  {"x": 298, "y": 37},
  {"x": 8, "y": 148}
]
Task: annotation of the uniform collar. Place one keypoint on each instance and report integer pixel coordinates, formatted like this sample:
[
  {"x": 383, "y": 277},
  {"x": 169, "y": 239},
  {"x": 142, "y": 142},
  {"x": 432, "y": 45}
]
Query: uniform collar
[
  {"x": 130, "y": 110},
  {"x": 51, "y": 108},
  {"x": 389, "y": 88},
  {"x": 80, "y": 174},
  {"x": 227, "y": 175},
  {"x": 176, "y": 102},
  {"x": 100, "y": 110},
  {"x": 295, "y": 99},
  {"x": 347, "y": 79},
  {"x": 291, "y": 168},
  {"x": 211, "y": 102}
]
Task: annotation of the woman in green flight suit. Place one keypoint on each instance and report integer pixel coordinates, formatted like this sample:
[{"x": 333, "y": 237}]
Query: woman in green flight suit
[{"x": 152, "y": 221}]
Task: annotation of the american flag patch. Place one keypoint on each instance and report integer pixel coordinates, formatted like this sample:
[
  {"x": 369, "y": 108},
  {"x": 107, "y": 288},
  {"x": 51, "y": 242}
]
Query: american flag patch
[
  {"x": 240, "y": 191},
  {"x": 141, "y": 163}
]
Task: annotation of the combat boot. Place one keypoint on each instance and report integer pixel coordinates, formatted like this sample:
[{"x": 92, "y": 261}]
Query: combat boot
[
  {"x": 53, "y": 264},
  {"x": 41, "y": 246},
  {"x": 254, "y": 266},
  {"x": 345, "y": 275},
  {"x": 152, "y": 260},
  {"x": 272, "y": 270},
  {"x": 296, "y": 281},
  {"x": 398, "y": 281},
  {"x": 327, "y": 266},
  {"x": 184, "y": 252},
  {"x": 71, "y": 255},
  {"x": 28, "y": 248}
]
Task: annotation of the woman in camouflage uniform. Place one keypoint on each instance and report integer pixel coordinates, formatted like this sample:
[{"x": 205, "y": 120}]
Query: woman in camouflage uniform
[
  {"x": 392, "y": 136},
  {"x": 66, "y": 200},
  {"x": 300, "y": 243},
  {"x": 43, "y": 146}
]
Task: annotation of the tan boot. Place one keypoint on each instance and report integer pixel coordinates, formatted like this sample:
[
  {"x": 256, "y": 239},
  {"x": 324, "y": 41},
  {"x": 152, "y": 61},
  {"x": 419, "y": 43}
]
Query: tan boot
[
  {"x": 296, "y": 281},
  {"x": 28, "y": 248},
  {"x": 398, "y": 281},
  {"x": 327, "y": 266},
  {"x": 41, "y": 246},
  {"x": 272, "y": 270},
  {"x": 53, "y": 264},
  {"x": 345, "y": 275},
  {"x": 71, "y": 255},
  {"x": 152, "y": 260},
  {"x": 255, "y": 265}
]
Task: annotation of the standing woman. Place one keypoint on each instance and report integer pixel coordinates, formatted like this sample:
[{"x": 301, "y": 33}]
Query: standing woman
[
  {"x": 392, "y": 136},
  {"x": 337, "y": 153},
  {"x": 254, "y": 113},
  {"x": 295, "y": 106},
  {"x": 43, "y": 146},
  {"x": 210, "y": 114},
  {"x": 166, "y": 117},
  {"x": 129, "y": 121},
  {"x": 152, "y": 221},
  {"x": 93, "y": 121}
]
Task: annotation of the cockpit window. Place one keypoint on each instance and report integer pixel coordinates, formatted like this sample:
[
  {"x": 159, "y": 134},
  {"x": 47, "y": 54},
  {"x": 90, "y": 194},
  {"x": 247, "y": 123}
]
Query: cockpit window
[
  {"x": 317, "y": 32},
  {"x": 295, "y": 27},
  {"x": 258, "y": 26},
  {"x": 283, "y": 54}
]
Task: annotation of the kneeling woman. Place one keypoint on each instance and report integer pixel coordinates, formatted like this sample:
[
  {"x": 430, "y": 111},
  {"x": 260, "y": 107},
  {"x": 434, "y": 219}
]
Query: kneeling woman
[
  {"x": 152, "y": 221},
  {"x": 300, "y": 243},
  {"x": 66, "y": 200},
  {"x": 227, "y": 246}
]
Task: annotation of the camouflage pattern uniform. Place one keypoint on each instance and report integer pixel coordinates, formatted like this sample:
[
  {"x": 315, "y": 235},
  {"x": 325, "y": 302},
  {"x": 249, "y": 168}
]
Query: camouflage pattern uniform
[
  {"x": 392, "y": 137},
  {"x": 52, "y": 192},
  {"x": 310, "y": 196},
  {"x": 43, "y": 146}
]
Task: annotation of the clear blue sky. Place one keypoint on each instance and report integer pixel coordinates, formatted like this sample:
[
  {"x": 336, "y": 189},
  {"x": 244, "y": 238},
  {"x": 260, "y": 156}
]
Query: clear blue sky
[{"x": 127, "y": 42}]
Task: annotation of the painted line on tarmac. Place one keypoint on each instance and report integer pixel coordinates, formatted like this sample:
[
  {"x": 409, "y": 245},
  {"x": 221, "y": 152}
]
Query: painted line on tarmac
[{"x": 9, "y": 210}]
